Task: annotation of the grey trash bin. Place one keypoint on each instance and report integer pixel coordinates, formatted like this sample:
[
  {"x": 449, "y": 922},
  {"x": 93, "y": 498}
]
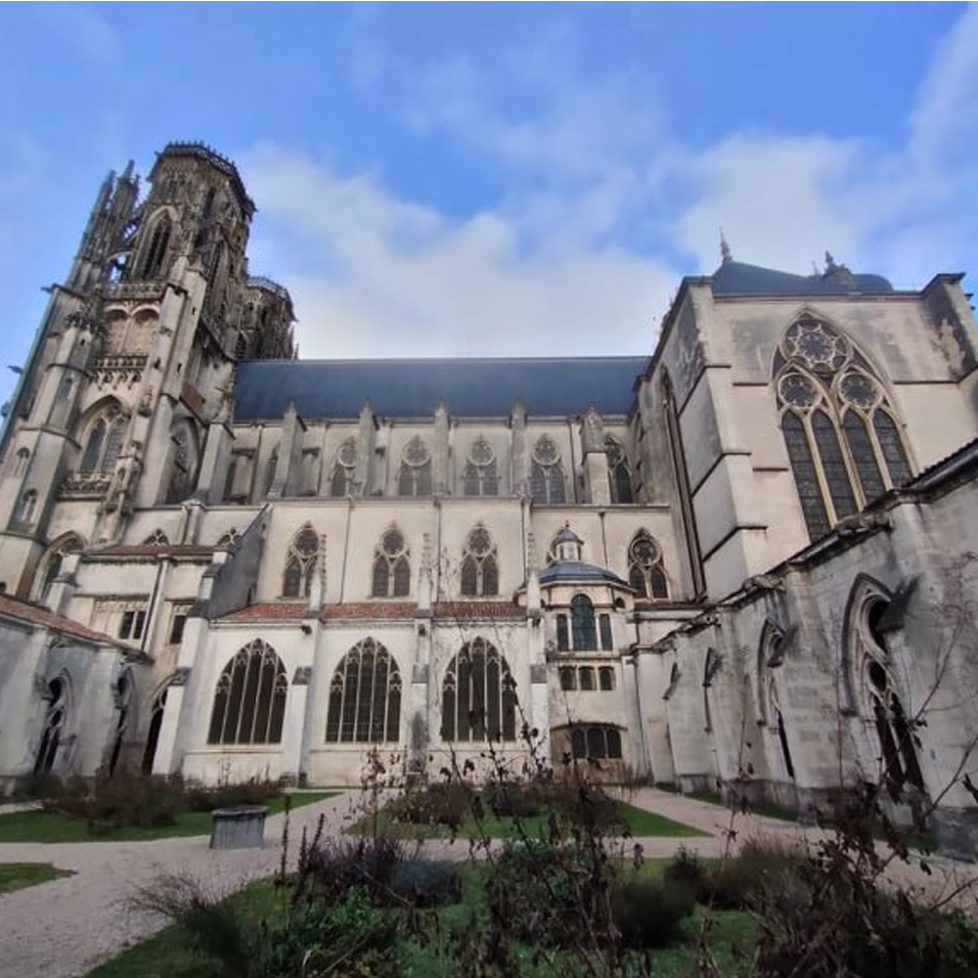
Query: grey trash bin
[{"x": 241, "y": 827}]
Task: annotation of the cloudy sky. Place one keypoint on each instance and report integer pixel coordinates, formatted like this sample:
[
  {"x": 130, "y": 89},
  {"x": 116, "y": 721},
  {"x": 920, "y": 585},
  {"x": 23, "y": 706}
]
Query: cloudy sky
[{"x": 512, "y": 179}]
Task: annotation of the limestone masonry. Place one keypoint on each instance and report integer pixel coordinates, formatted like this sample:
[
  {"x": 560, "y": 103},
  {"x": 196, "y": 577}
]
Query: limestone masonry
[{"x": 747, "y": 561}]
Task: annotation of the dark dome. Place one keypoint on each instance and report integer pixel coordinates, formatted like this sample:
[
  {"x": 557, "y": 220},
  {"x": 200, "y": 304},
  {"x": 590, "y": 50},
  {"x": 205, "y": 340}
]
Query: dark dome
[
  {"x": 738, "y": 278},
  {"x": 574, "y": 572}
]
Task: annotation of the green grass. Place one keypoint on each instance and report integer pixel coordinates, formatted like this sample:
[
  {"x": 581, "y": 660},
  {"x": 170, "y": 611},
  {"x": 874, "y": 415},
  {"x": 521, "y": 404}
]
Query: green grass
[
  {"x": 39, "y": 826},
  {"x": 165, "y": 955},
  {"x": 17, "y": 876},
  {"x": 641, "y": 824}
]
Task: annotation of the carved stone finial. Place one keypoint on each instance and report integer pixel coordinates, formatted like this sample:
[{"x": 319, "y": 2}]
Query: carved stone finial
[{"x": 725, "y": 253}]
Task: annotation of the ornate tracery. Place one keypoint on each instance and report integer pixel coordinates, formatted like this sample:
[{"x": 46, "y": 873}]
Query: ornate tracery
[
  {"x": 300, "y": 564},
  {"x": 480, "y": 570},
  {"x": 840, "y": 426}
]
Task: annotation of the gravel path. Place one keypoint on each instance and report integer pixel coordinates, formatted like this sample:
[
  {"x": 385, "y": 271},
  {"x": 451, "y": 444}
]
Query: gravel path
[{"x": 63, "y": 928}]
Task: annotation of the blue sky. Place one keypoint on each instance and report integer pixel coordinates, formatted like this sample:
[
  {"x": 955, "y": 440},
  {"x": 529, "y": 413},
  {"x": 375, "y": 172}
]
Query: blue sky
[{"x": 516, "y": 179}]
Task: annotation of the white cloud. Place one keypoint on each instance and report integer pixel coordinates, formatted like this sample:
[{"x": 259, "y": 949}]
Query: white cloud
[
  {"x": 580, "y": 254},
  {"x": 385, "y": 277}
]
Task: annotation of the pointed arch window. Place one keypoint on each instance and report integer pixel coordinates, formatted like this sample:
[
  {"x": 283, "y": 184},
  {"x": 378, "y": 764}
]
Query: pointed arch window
[
  {"x": 481, "y": 476},
  {"x": 899, "y": 763},
  {"x": 27, "y": 507},
  {"x": 645, "y": 571},
  {"x": 480, "y": 570},
  {"x": 341, "y": 480},
  {"x": 365, "y": 697},
  {"x": 414, "y": 477},
  {"x": 844, "y": 445},
  {"x": 392, "y": 572},
  {"x": 300, "y": 564},
  {"x": 478, "y": 696},
  {"x": 55, "y": 723},
  {"x": 584, "y": 633},
  {"x": 104, "y": 443},
  {"x": 546, "y": 472},
  {"x": 158, "y": 243},
  {"x": 20, "y": 461},
  {"x": 619, "y": 473},
  {"x": 249, "y": 700},
  {"x": 52, "y": 564}
]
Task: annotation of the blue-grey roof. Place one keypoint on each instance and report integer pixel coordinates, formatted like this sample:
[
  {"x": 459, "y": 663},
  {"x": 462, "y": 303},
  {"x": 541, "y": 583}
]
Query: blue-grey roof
[
  {"x": 574, "y": 572},
  {"x": 413, "y": 388},
  {"x": 737, "y": 278}
]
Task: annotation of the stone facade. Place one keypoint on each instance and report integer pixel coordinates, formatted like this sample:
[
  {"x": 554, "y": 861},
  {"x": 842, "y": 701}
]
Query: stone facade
[{"x": 744, "y": 561}]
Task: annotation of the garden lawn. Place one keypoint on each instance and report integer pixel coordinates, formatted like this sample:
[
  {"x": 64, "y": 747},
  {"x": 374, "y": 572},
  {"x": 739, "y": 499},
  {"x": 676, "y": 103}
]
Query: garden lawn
[
  {"x": 641, "y": 824},
  {"x": 16, "y": 876},
  {"x": 40, "y": 826},
  {"x": 165, "y": 955}
]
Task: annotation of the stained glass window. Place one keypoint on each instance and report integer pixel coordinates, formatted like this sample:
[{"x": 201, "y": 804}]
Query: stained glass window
[
  {"x": 249, "y": 701},
  {"x": 478, "y": 695},
  {"x": 892, "y": 447},
  {"x": 645, "y": 572},
  {"x": 583, "y": 629},
  {"x": 546, "y": 473},
  {"x": 861, "y": 450},
  {"x": 365, "y": 697},
  {"x": 833, "y": 465},
  {"x": 480, "y": 477},
  {"x": 619, "y": 474},
  {"x": 806, "y": 478}
]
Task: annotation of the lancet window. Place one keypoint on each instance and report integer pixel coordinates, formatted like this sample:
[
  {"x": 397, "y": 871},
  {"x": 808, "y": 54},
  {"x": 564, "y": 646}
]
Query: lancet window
[
  {"x": 481, "y": 476},
  {"x": 480, "y": 570},
  {"x": 158, "y": 243},
  {"x": 55, "y": 721},
  {"x": 341, "y": 480},
  {"x": 619, "y": 473},
  {"x": 546, "y": 472},
  {"x": 840, "y": 425},
  {"x": 645, "y": 571},
  {"x": 249, "y": 701},
  {"x": 414, "y": 477},
  {"x": 300, "y": 564},
  {"x": 365, "y": 697},
  {"x": 104, "y": 443},
  {"x": 478, "y": 695},
  {"x": 392, "y": 572}
]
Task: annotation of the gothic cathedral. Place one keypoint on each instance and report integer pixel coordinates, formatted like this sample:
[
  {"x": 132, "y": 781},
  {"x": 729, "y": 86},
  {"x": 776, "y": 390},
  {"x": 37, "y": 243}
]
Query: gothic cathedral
[{"x": 746, "y": 562}]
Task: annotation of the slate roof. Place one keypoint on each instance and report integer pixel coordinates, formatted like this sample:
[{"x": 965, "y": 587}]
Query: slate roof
[
  {"x": 476, "y": 388},
  {"x": 738, "y": 278},
  {"x": 574, "y": 571}
]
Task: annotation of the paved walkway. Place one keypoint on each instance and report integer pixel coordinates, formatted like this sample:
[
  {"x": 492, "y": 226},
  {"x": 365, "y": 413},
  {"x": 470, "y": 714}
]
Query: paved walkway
[{"x": 64, "y": 928}]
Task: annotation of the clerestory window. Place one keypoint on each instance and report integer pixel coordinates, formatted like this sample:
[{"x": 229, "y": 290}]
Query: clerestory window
[
  {"x": 414, "y": 477},
  {"x": 481, "y": 476},
  {"x": 546, "y": 472}
]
